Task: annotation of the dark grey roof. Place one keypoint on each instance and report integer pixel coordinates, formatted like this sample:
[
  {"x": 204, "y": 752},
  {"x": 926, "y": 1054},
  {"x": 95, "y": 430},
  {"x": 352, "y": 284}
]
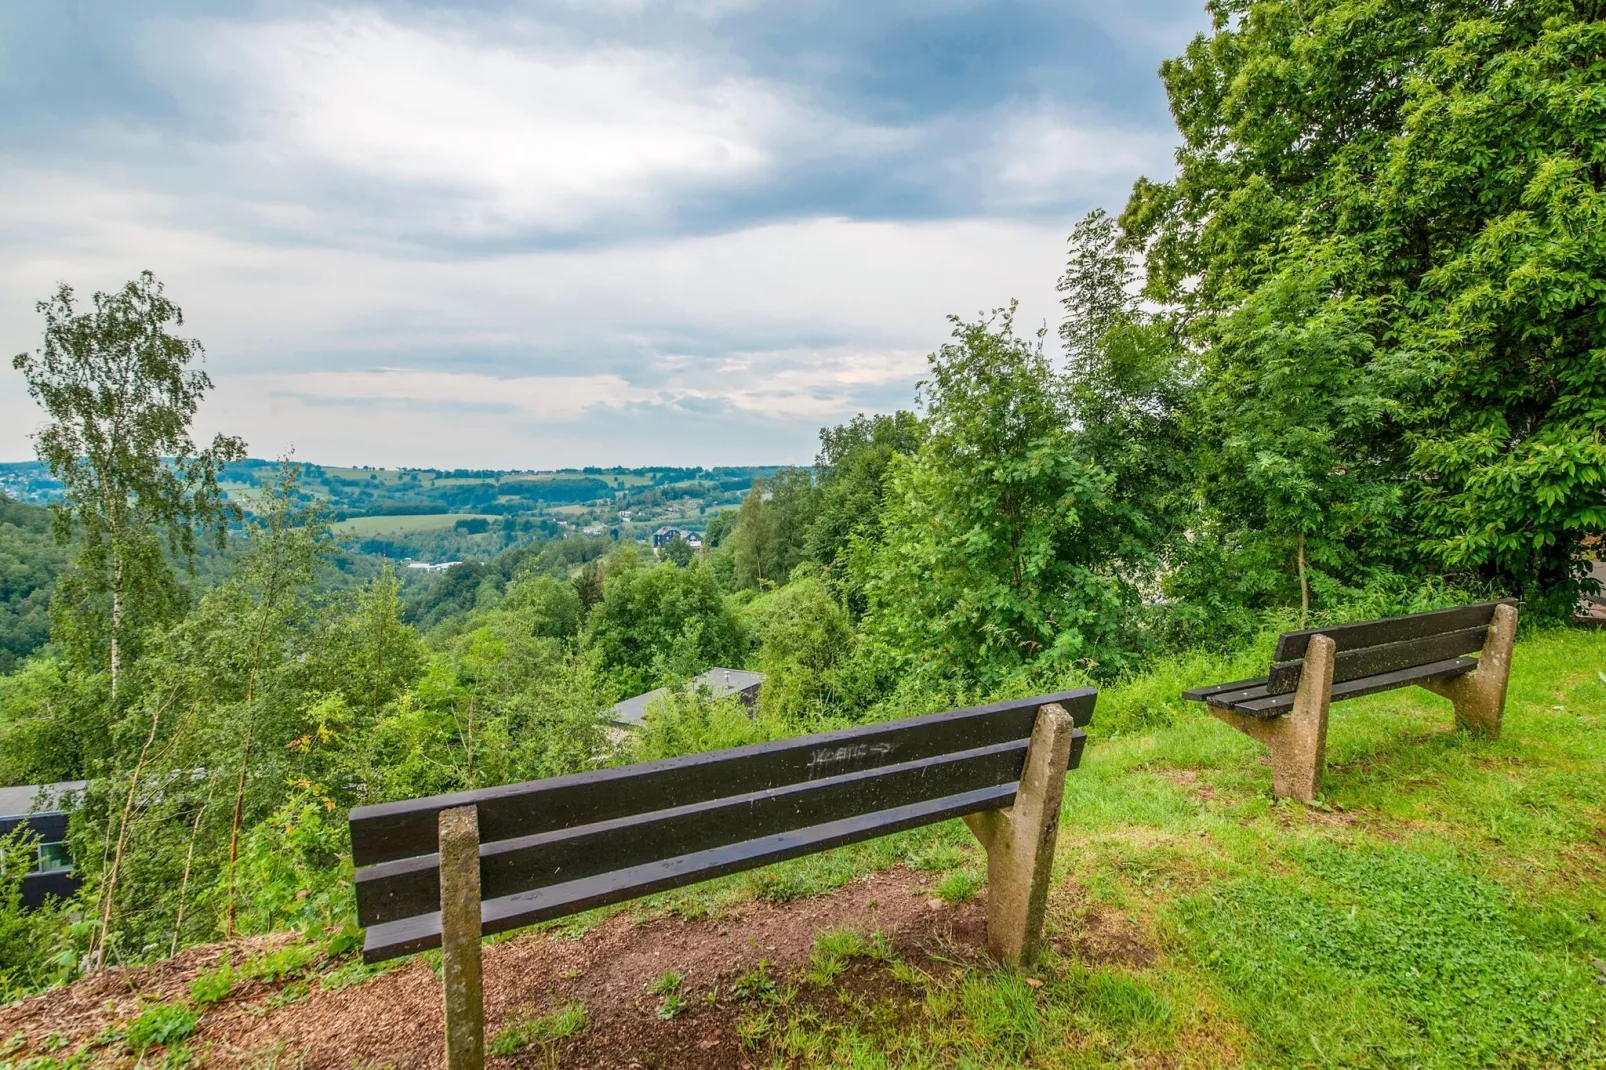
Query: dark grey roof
[
  {"x": 39, "y": 798},
  {"x": 720, "y": 682}
]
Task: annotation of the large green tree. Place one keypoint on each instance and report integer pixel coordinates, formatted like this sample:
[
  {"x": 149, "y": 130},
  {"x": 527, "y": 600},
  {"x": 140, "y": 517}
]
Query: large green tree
[
  {"x": 120, "y": 392},
  {"x": 659, "y": 621},
  {"x": 1406, "y": 199},
  {"x": 996, "y": 543},
  {"x": 851, "y": 473},
  {"x": 772, "y": 528}
]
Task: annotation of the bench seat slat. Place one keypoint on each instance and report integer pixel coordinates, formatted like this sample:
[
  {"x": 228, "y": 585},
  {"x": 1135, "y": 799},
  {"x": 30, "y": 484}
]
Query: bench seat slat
[
  {"x": 1376, "y": 660},
  {"x": 1277, "y": 705},
  {"x": 391, "y": 831},
  {"x": 1229, "y": 699},
  {"x": 393, "y": 890},
  {"x": 421, "y": 932},
  {"x": 1291, "y": 645},
  {"x": 1203, "y": 694}
]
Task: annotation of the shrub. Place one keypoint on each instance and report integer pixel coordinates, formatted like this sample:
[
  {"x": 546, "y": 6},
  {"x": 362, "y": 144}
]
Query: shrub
[{"x": 161, "y": 1024}]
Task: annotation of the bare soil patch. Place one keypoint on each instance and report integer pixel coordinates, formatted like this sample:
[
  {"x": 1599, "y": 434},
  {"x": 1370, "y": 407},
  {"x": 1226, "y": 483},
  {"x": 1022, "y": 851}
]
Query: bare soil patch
[
  {"x": 395, "y": 1020},
  {"x": 1100, "y": 935},
  {"x": 1189, "y": 781}
]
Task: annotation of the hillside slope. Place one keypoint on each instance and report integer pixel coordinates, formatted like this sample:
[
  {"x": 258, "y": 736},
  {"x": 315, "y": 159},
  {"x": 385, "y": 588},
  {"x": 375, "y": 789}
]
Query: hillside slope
[
  {"x": 29, "y": 563},
  {"x": 1444, "y": 906}
]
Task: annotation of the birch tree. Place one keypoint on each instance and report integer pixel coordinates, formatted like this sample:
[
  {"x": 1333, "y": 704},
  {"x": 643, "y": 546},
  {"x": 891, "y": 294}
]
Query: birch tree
[{"x": 120, "y": 392}]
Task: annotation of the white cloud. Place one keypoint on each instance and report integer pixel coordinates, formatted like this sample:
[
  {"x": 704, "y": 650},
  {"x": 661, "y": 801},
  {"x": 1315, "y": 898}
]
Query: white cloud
[
  {"x": 513, "y": 126},
  {"x": 1043, "y": 152},
  {"x": 362, "y": 355}
]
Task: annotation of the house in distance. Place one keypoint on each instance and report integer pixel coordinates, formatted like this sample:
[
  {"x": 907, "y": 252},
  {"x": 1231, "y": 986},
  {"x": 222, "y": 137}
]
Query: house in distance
[
  {"x": 666, "y": 535},
  {"x": 719, "y": 683},
  {"x": 43, "y": 808}
]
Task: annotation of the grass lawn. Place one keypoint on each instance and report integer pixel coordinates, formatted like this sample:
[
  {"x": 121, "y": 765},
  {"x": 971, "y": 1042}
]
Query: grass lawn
[
  {"x": 1444, "y": 904},
  {"x": 401, "y": 525}
]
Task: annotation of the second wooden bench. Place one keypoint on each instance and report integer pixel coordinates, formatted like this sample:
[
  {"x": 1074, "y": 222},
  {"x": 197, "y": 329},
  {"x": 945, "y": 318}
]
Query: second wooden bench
[{"x": 1287, "y": 708}]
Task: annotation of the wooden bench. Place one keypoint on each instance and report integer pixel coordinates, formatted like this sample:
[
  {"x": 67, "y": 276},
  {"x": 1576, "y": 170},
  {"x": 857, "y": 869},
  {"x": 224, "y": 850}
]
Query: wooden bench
[
  {"x": 1287, "y": 708},
  {"x": 443, "y": 871}
]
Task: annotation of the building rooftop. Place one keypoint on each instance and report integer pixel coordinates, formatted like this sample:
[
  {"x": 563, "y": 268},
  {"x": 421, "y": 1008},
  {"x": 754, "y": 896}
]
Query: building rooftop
[
  {"x": 720, "y": 682},
  {"x": 25, "y": 799}
]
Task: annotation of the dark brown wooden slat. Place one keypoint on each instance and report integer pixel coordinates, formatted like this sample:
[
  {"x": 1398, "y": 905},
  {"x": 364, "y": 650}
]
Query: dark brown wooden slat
[
  {"x": 405, "y": 829},
  {"x": 1228, "y": 699},
  {"x": 1374, "y": 660},
  {"x": 1277, "y": 705},
  {"x": 422, "y": 931},
  {"x": 1389, "y": 629},
  {"x": 1200, "y": 694},
  {"x": 394, "y": 890}
]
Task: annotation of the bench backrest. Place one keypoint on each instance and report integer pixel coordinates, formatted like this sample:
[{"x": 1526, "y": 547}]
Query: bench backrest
[
  {"x": 1374, "y": 647},
  {"x": 554, "y": 847}
]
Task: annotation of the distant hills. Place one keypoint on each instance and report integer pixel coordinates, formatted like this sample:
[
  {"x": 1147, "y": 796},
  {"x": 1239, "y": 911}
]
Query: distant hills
[{"x": 439, "y": 514}]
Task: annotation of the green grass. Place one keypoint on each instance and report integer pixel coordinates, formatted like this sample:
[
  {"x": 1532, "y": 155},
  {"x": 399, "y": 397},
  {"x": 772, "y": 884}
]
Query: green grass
[
  {"x": 401, "y": 525},
  {"x": 1442, "y": 905},
  {"x": 544, "y": 1031},
  {"x": 667, "y": 986}
]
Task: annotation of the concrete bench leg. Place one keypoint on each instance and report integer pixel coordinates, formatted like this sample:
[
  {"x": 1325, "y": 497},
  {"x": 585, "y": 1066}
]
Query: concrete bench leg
[
  {"x": 1020, "y": 843},
  {"x": 1480, "y": 695},
  {"x": 459, "y": 831},
  {"x": 1298, "y": 739}
]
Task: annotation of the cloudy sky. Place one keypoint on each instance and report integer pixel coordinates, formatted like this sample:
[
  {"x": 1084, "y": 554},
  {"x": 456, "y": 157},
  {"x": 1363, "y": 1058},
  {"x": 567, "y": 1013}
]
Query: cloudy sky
[{"x": 564, "y": 233}]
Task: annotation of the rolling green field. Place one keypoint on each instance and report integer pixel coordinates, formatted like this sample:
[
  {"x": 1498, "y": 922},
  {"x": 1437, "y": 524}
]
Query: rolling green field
[{"x": 402, "y": 525}]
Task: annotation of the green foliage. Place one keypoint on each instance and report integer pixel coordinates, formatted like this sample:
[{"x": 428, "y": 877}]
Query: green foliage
[
  {"x": 552, "y": 606},
  {"x": 30, "y": 560},
  {"x": 28, "y": 938},
  {"x": 1295, "y": 413},
  {"x": 689, "y": 720},
  {"x": 654, "y": 622},
  {"x": 295, "y": 870},
  {"x": 213, "y": 985},
  {"x": 720, "y": 526},
  {"x": 161, "y": 1024},
  {"x": 678, "y": 551},
  {"x": 524, "y": 1031},
  {"x": 120, "y": 395},
  {"x": 772, "y": 528},
  {"x": 851, "y": 473},
  {"x": 1385, "y": 240},
  {"x": 497, "y": 706},
  {"x": 53, "y": 722},
  {"x": 803, "y": 635},
  {"x": 996, "y": 548}
]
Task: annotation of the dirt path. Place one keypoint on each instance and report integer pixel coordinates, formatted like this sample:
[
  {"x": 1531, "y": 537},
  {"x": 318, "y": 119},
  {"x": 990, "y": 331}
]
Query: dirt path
[{"x": 395, "y": 1019}]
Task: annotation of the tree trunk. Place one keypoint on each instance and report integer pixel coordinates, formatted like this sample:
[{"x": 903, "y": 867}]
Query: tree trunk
[
  {"x": 189, "y": 859},
  {"x": 116, "y": 623},
  {"x": 1304, "y": 587},
  {"x": 234, "y": 830},
  {"x": 99, "y": 957}
]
